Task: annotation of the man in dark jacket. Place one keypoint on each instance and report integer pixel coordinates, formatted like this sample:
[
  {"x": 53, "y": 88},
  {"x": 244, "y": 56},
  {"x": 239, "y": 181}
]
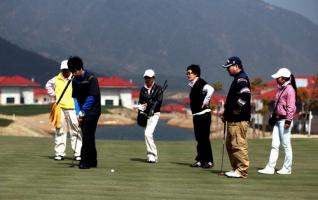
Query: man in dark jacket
[
  {"x": 200, "y": 96},
  {"x": 237, "y": 113},
  {"x": 86, "y": 95},
  {"x": 150, "y": 101}
]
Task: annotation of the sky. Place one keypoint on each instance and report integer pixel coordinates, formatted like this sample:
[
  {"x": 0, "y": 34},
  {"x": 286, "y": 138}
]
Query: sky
[{"x": 307, "y": 8}]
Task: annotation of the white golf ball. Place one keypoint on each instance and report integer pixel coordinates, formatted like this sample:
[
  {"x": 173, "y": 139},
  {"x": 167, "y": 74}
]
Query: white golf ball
[{"x": 112, "y": 170}]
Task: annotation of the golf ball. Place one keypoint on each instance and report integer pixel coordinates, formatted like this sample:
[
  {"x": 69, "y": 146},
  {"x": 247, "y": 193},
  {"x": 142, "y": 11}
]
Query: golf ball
[{"x": 112, "y": 170}]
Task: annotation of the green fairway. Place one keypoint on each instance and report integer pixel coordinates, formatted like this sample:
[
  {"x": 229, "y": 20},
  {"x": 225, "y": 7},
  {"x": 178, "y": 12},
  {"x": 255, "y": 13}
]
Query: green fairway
[{"x": 27, "y": 171}]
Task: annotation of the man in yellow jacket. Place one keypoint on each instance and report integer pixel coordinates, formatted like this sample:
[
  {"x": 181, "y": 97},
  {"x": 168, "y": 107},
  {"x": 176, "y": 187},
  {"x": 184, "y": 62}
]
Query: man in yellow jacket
[{"x": 68, "y": 118}]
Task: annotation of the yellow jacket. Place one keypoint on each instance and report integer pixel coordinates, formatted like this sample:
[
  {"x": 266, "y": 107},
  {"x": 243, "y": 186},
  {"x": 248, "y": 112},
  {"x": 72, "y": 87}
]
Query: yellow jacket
[{"x": 67, "y": 102}]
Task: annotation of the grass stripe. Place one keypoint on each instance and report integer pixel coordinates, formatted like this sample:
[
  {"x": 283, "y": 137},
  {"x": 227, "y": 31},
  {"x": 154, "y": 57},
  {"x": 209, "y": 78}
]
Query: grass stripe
[{"x": 27, "y": 171}]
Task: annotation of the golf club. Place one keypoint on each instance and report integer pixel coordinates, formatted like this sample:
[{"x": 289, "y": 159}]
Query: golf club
[
  {"x": 221, "y": 173},
  {"x": 72, "y": 165}
]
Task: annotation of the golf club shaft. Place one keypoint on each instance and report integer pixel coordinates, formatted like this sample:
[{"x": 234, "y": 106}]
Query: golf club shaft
[{"x": 223, "y": 145}]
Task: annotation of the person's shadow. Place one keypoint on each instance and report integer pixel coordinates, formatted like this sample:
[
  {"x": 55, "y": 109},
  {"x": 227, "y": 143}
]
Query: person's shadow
[{"x": 139, "y": 160}]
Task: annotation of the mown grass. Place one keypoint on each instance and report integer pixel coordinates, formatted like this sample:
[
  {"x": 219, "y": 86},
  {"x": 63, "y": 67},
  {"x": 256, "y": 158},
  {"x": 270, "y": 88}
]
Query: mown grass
[
  {"x": 5, "y": 122},
  {"x": 24, "y": 110},
  {"x": 27, "y": 171}
]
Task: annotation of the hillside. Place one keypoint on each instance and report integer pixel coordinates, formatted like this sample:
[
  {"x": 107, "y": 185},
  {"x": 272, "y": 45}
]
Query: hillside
[
  {"x": 121, "y": 37},
  {"x": 17, "y": 61}
]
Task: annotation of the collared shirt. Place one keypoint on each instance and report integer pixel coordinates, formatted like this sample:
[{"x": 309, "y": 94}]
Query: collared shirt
[
  {"x": 149, "y": 88},
  {"x": 208, "y": 89}
]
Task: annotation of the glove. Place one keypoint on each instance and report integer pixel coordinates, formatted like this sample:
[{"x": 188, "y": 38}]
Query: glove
[{"x": 141, "y": 107}]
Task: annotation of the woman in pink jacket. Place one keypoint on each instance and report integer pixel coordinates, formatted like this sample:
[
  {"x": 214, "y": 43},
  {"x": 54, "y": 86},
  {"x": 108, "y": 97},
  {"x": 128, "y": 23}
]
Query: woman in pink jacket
[{"x": 285, "y": 108}]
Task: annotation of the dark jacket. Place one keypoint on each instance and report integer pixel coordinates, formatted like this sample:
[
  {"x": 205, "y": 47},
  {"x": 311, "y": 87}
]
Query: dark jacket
[
  {"x": 197, "y": 96},
  {"x": 154, "y": 99},
  {"x": 86, "y": 91},
  {"x": 238, "y": 99}
]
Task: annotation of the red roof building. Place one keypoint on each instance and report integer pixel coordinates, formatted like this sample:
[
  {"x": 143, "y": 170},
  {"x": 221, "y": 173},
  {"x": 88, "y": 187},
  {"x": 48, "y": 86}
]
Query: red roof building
[
  {"x": 16, "y": 90},
  {"x": 173, "y": 108},
  {"x": 17, "y": 81},
  {"x": 41, "y": 96},
  {"x": 114, "y": 82},
  {"x": 116, "y": 91},
  {"x": 268, "y": 90}
]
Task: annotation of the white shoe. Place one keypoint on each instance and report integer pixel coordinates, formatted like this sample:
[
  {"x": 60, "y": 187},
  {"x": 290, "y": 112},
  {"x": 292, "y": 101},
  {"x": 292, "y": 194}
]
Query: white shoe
[
  {"x": 77, "y": 158},
  {"x": 233, "y": 174},
  {"x": 266, "y": 170},
  {"x": 58, "y": 158},
  {"x": 152, "y": 160},
  {"x": 283, "y": 171}
]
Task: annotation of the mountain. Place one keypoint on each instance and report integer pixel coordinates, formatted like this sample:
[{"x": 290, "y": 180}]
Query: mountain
[
  {"x": 17, "y": 61},
  {"x": 124, "y": 37}
]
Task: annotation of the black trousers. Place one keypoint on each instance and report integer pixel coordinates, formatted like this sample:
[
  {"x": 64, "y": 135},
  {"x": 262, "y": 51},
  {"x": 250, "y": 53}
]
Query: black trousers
[
  {"x": 202, "y": 125},
  {"x": 89, "y": 152}
]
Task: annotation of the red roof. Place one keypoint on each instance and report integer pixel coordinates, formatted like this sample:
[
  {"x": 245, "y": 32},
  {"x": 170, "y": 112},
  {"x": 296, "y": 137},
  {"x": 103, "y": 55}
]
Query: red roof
[
  {"x": 17, "y": 81},
  {"x": 135, "y": 94},
  {"x": 268, "y": 95},
  {"x": 215, "y": 99},
  {"x": 218, "y": 98},
  {"x": 268, "y": 91},
  {"x": 173, "y": 108},
  {"x": 115, "y": 81},
  {"x": 40, "y": 91}
]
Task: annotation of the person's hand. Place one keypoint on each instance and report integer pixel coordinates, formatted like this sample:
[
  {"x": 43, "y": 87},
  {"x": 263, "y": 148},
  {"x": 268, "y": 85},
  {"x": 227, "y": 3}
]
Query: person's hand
[
  {"x": 204, "y": 104},
  {"x": 141, "y": 107},
  {"x": 286, "y": 126}
]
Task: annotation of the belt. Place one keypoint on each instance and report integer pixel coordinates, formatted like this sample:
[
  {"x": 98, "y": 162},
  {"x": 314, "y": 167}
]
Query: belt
[{"x": 281, "y": 117}]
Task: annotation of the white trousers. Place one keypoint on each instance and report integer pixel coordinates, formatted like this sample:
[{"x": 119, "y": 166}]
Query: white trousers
[
  {"x": 281, "y": 136},
  {"x": 69, "y": 124},
  {"x": 152, "y": 122}
]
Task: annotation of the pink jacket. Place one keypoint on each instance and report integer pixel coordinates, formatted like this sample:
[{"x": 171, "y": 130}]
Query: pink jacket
[{"x": 287, "y": 102}]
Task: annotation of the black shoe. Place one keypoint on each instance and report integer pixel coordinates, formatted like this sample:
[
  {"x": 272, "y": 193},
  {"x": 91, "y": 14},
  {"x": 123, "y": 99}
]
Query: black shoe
[
  {"x": 207, "y": 165},
  {"x": 93, "y": 163},
  {"x": 83, "y": 166},
  {"x": 196, "y": 164}
]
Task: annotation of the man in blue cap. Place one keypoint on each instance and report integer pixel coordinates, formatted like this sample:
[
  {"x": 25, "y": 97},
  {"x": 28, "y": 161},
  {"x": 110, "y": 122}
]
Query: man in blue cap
[{"x": 237, "y": 114}]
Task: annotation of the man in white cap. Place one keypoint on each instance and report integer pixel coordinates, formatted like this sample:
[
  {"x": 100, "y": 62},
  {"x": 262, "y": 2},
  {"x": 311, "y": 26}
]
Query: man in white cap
[
  {"x": 150, "y": 100},
  {"x": 69, "y": 122}
]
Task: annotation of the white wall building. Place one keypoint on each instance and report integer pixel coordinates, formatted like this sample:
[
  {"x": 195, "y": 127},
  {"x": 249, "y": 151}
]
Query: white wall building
[
  {"x": 16, "y": 90},
  {"x": 116, "y": 91}
]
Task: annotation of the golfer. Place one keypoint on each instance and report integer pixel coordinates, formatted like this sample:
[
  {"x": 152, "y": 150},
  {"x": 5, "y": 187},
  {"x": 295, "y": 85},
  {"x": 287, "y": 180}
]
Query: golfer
[
  {"x": 88, "y": 109},
  {"x": 285, "y": 105},
  {"x": 237, "y": 114},
  {"x": 69, "y": 123},
  {"x": 150, "y": 100},
  {"x": 200, "y": 95}
]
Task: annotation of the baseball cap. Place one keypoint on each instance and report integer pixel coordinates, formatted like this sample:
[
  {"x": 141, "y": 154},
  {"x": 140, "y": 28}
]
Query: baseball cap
[
  {"x": 232, "y": 61},
  {"x": 282, "y": 72},
  {"x": 149, "y": 73},
  {"x": 64, "y": 65}
]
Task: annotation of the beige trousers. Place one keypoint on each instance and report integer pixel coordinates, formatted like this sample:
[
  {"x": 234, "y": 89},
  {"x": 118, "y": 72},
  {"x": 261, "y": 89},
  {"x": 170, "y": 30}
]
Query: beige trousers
[
  {"x": 237, "y": 147},
  {"x": 69, "y": 124}
]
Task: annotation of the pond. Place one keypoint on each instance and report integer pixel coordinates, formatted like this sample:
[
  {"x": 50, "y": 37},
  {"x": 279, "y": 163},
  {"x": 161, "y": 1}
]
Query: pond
[{"x": 135, "y": 132}]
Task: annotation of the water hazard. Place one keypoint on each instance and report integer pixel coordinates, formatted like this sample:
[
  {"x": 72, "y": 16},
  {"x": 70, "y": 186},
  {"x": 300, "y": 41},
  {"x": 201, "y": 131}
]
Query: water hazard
[{"x": 134, "y": 132}]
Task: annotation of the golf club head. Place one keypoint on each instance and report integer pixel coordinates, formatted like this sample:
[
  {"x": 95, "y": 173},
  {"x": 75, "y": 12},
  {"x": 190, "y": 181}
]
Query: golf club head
[{"x": 221, "y": 174}]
